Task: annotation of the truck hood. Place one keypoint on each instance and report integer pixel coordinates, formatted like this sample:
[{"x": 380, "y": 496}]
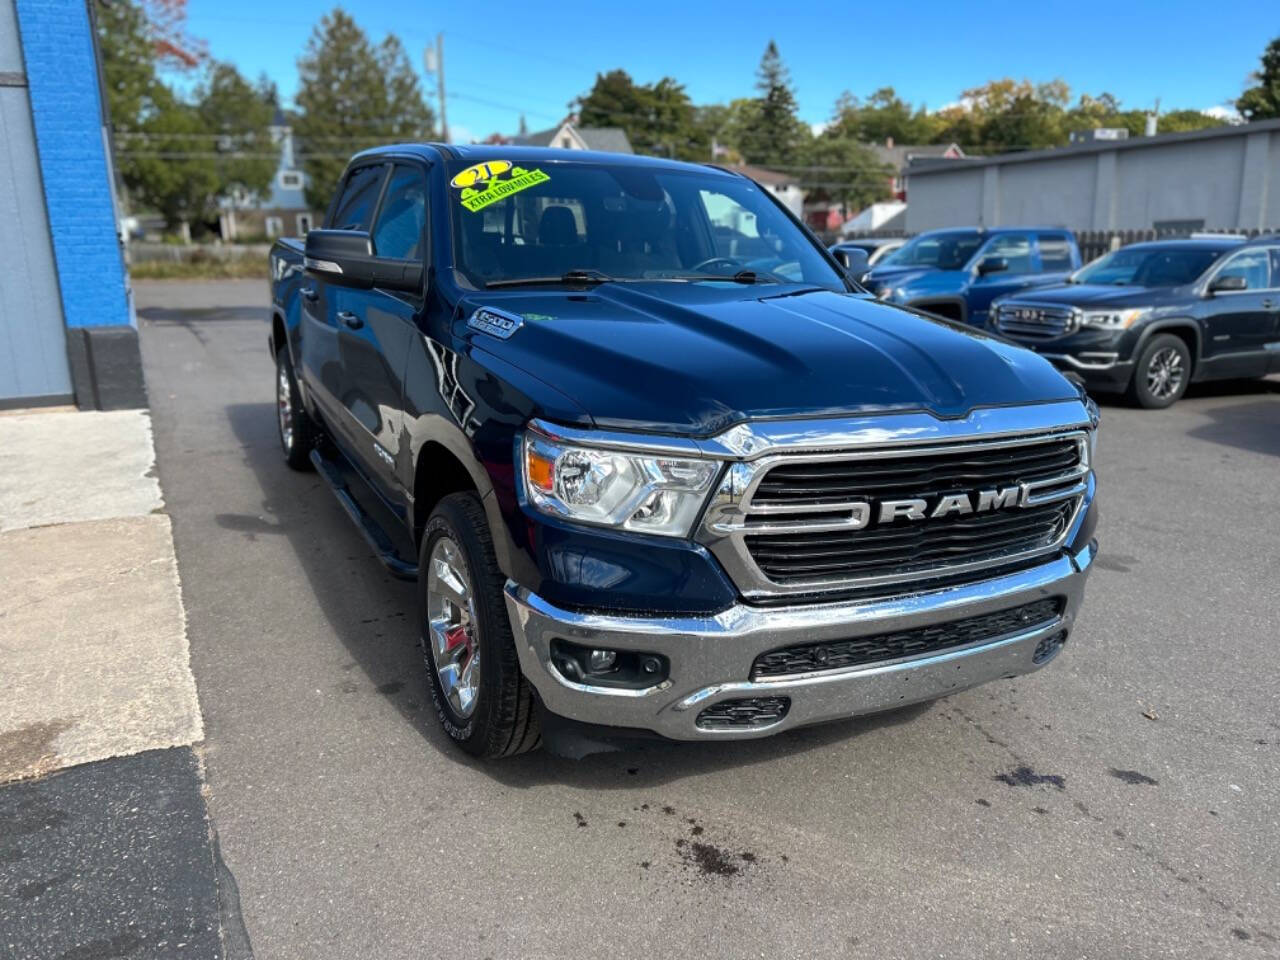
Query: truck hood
[
  {"x": 1099, "y": 295},
  {"x": 696, "y": 358}
]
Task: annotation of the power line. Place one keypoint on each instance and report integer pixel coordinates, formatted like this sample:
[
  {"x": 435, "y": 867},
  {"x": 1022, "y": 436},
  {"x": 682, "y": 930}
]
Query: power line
[{"x": 502, "y": 106}]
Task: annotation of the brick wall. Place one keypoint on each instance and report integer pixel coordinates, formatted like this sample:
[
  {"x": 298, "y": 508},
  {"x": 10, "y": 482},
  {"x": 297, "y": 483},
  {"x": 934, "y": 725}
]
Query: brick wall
[{"x": 62, "y": 76}]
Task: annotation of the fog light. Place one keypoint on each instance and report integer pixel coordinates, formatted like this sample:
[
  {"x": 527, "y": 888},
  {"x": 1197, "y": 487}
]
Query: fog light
[
  {"x": 602, "y": 660},
  {"x": 601, "y": 667}
]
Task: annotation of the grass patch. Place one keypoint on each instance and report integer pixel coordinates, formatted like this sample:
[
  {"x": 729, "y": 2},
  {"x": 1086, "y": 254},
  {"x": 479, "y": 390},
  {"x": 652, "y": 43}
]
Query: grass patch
[{"x": 233, "y": 268}]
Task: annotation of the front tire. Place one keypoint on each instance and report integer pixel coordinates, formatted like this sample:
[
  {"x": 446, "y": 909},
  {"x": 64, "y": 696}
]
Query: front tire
[
  {"x": 483, "y": 700},
  {"x": 1161, "y": 375},
  {"x": 293, "y": 423}
]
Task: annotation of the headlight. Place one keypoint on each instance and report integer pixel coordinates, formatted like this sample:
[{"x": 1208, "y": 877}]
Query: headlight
[
  {"x": 1095, "y": 419},
  {"x": 616, "y": 488},
  {"x": 1112, "y": 319}
]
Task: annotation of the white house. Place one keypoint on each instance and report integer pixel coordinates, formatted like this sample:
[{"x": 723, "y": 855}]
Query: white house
[
  {"x": 784, "y": 186},
  {"x": 569, "y": 136}
]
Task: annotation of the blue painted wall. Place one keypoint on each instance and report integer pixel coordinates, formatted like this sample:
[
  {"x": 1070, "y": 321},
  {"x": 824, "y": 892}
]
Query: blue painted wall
[{"x": 62, "y": 78}]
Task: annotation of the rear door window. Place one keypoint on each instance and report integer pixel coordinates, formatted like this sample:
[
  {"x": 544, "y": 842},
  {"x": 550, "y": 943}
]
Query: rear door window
[
  {"x": 359, "y": 196},
  {"x": 398, "y": 230},
  {"x": 1055, "y": 252}
]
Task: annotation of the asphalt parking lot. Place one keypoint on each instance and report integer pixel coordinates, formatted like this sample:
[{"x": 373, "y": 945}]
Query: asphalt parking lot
[{"x": 1122, "y": 803}]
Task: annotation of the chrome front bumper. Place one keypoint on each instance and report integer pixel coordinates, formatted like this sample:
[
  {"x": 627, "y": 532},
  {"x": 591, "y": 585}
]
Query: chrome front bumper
[{"x": 711, "y": 657}]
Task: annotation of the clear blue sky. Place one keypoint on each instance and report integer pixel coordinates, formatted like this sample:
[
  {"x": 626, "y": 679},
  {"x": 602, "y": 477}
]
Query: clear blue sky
[{"x": 538, "y": 55}]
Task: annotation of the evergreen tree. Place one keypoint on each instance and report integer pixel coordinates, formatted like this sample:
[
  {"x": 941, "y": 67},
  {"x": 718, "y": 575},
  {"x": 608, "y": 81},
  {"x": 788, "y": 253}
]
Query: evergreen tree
[
  {"x": 777, "y": 134},
  {"x": 351, "y": 96}
]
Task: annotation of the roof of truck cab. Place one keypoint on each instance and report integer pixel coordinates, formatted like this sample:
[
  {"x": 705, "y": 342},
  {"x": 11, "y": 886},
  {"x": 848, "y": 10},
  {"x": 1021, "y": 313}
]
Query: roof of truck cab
[
  {"x": 1038, "y": 228},
  {"x": 1188, "y": 243},
  {"x": 480, "y": 152}
]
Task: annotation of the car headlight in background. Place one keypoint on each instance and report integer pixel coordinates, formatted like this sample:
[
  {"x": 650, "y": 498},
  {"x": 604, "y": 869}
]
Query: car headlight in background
[
  {"x": 616, "y": 488},
  {"x": 1112, "y": 319}
]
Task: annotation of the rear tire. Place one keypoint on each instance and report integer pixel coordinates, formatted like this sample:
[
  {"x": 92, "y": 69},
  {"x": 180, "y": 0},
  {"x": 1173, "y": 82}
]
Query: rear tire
[
  {"x": 465, "y": 632},
  {"x": 1161, "y": 375},
  {"x": 297, "y": 430}
]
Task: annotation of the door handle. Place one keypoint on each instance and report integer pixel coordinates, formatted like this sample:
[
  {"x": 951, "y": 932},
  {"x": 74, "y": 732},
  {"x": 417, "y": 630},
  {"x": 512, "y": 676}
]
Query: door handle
[
  {"x": 309, "y": 293},
  {"x": 1270, "y": 304},
  {"x": 350, "y": 320}
]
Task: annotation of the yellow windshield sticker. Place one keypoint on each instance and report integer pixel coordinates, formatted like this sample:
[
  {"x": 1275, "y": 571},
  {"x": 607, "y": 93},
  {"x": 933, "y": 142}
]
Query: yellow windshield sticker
[
  {"x": 483, "y": 185},
  {"x": 481, "y": 171}
]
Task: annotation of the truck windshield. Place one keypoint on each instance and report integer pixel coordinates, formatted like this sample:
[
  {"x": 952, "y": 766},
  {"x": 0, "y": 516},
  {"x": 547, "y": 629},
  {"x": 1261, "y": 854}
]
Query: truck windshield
[
  {"x": 599, "y": 222},
  {"x": 946, "y": 251},
  {"x": 1148, "y": 267}
]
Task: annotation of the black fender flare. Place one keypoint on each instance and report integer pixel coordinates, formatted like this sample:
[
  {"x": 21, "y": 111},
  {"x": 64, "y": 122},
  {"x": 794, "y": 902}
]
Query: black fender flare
[
  {"x": 1173, "y": 323},
  {"x": 433, "y": 428}
]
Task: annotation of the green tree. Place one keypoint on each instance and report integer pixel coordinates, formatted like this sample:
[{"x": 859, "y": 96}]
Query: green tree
[
  {"x": 776, "y": 134},
  {"x": 128, "y": 62},
  {"x": 1262, "y": 101},
  {"x": 1179, "y": 121},
  {"x": 659, "y": 118},
  {"x": 841, "y": 170},
  {"x": 163, "y": 154},
  {"x": 1009, "y": 114},
  {"x": 172, "y": 170},
  {"x": 238, "y": 116},
  {"x": 733, "y": 126},
  {"x": 614, "y": 100},
  {"x": 884, "y": 116},
  {"x": 352, "y": 95}
]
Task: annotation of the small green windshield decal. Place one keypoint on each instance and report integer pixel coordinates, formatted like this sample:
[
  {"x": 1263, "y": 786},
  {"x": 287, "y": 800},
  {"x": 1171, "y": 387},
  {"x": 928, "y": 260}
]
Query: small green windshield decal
[{"x": 491, "y": 189}]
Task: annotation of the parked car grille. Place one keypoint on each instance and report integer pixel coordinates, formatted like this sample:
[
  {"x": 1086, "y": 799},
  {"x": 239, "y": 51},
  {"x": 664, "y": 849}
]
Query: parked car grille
[
  {"x": 801, "y": 524},
  {"x": 1031, "y": 322},
  {"x": 841, "y": 654}
]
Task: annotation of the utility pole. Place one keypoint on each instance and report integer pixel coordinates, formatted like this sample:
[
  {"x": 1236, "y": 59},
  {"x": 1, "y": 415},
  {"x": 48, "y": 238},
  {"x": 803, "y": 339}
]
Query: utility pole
[
  {"x": 444, "y": 123},
  {"x": 433, "y": 60}
]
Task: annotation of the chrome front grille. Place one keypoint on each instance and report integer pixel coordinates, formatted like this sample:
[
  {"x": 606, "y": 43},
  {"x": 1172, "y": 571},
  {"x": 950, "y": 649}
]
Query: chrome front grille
[
  {"x": 1027, "y": 321},
  {"x": 809, "y": 523}
]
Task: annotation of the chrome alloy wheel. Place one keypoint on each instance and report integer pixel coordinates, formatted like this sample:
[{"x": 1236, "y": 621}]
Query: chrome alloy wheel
[
  {"x": 284, "y": 408},
  {"x": 451, "y": 627},
  {"x": 1164, "y": 373}
]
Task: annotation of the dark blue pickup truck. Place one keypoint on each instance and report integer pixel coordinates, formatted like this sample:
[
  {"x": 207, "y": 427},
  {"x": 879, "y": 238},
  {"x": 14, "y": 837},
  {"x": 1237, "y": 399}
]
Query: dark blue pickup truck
[
  {"x": 656, "y": 463},
  {"x": 959, "y": 273}
]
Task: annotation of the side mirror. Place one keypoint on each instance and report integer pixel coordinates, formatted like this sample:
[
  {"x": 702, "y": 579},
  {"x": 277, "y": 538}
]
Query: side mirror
[
  {"x": 346, "y": 257},
  {"x": 992, "y": 265},
  {"x": 1235, "y": 282},
  {"x": 854, "y": 259}
]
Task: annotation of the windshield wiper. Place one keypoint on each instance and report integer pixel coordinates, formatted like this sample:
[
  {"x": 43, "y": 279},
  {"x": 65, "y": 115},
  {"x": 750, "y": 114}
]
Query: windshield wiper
[
  {"x": 742, "y": 276},
  {"x": 571, "y": 277}
]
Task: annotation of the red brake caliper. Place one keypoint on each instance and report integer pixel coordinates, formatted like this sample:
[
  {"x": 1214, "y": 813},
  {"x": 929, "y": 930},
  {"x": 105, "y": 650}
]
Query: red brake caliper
[{"x": 456, "y": 637}]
